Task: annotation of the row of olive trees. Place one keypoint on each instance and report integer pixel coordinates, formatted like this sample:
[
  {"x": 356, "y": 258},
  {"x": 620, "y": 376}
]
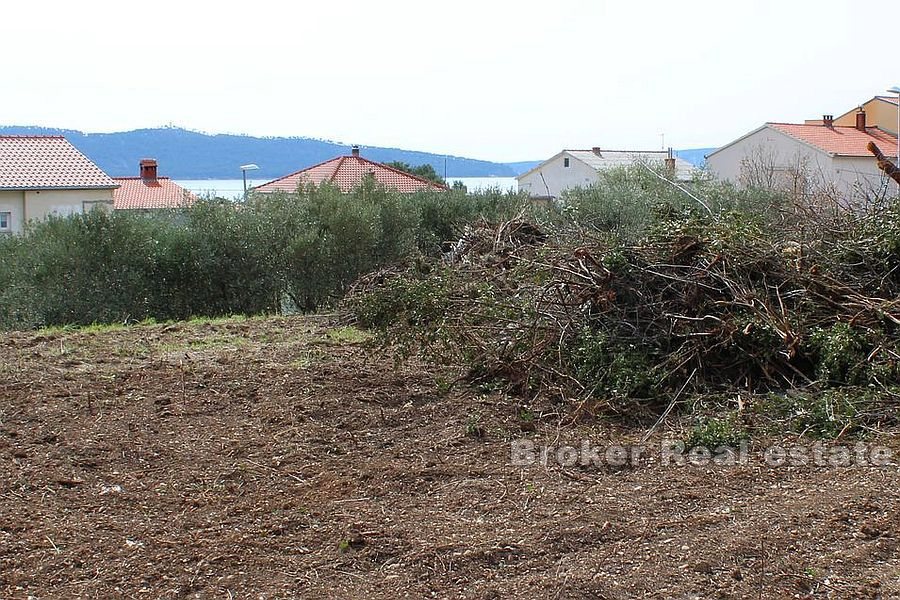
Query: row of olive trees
[
  {"x": 301, "y": 250},
  {"x": 219, "y": 258}
]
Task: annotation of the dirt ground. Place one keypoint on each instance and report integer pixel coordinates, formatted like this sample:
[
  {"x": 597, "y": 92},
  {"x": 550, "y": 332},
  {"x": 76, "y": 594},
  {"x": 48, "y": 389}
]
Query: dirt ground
[{"x": 280, "y": 458}]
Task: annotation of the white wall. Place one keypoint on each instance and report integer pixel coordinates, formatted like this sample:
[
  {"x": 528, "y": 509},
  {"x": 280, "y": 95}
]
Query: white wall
[
  {"x": 769, "y": 157},
  {"x": 14, "y": 203},
  {"x": 863, "y": 177},
  {"x": 557, "y": 177}
]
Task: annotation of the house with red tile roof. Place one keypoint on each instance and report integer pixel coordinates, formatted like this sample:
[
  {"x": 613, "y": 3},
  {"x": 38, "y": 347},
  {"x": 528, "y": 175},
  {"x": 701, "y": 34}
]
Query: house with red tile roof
[
  {"x": 43, "y": 175},
  {"x": 149, "y": 191},
  {"x": 348, "y": 173},
  {"x": 817, "y": 155}
]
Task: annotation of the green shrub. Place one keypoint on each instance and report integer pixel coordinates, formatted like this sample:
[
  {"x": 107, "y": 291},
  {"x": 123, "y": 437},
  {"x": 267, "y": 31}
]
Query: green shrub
[
  {"x": 718, "y": 432},
  {"x": 826, "y": 414},
  {"x": 612, "y": 368},
  {"x": 842, "y": 353}
]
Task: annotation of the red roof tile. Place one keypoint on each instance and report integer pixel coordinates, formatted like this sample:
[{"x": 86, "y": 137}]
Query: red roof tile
[
  {"x": 42, "y": 162},
  {"x": 137, "y": 193},
  {"x": 347, "y": 172},
  {"x": 841, "y": 140}
]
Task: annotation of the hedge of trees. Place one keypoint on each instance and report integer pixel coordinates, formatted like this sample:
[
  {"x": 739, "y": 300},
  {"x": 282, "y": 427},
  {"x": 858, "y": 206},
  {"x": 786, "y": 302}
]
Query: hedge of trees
[{"x": 218, "y": 258}]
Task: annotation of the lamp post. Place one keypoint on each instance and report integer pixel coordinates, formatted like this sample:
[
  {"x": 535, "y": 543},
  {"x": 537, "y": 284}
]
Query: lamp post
[
  {"x": 896, "y": 90},
  {"x": 244, "y": 169}
]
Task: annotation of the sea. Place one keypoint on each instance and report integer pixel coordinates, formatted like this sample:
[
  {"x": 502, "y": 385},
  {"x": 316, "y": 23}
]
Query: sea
[{"x": 233, "y": 189}]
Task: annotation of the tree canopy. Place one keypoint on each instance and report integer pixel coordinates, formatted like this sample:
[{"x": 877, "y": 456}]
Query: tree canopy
[{"x": 425, "y": 171}]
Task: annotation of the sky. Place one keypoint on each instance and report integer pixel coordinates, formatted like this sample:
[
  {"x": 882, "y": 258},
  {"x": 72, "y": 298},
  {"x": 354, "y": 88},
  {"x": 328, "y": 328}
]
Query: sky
[{"x": 495, "y": 80}]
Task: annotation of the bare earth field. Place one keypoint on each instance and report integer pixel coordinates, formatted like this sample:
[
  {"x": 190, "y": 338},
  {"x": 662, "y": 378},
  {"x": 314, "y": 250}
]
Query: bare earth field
[{"x": 282, "y": 458}]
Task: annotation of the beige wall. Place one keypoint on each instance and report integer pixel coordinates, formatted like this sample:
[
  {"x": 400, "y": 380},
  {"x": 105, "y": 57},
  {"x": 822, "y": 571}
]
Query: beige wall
[
  {"x": 14, "y": 203},
  {"x": 878, "y": 114},
  {"x": 41, "y": 204},
  {"x": 770, "y": 158},
  {"x": 557, "y": 177},
  {"x": 29, "y": 205}
]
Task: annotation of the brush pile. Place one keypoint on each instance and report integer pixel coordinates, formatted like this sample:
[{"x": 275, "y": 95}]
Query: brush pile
[{"x": 701, "y": 303}]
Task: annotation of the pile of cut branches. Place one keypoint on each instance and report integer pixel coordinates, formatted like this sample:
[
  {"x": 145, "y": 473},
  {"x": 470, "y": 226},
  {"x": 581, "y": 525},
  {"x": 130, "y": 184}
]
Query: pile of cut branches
[{"x": 703, "y": 303}]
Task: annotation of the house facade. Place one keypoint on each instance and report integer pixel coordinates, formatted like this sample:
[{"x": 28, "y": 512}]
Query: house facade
[
  {"x": 822, "y": 157},
  {"x": 348, "y": 173},
  {"x": 881, "y": 112},
  {"x": 46, "y": 175},
  {"x": 148, "y": 191},
  {"x": 581, "y": 168}
]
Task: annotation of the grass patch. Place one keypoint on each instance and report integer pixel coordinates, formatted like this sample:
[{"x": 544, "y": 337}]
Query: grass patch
[
  {"x": 206, "y": 343},
  {"x": 306, "y": 359},
  {"x": 89, "y": 329},
  {"x": 218, "y": 320},
  {"x": 347, "y": 335}
]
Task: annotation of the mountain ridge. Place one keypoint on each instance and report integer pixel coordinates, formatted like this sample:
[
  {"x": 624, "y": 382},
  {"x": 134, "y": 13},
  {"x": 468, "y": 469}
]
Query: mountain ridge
[{"x": 187, "y": 154}]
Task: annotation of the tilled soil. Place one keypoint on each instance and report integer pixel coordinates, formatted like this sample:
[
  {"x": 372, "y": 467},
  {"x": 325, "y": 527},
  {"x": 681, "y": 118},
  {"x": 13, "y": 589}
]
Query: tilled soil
[{"x": 279, "y": 458}]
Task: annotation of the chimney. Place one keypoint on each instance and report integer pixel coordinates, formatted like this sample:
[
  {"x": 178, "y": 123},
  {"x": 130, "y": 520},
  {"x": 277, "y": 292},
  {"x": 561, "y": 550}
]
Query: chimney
[
  {"x": 148, "y": 170},
  {"x": 828, "y": 121},
  {"x": 596, "y": 150},
  {"x": 861, "y": 120},
  {"x": 354, "y": 150},
  {"x": 670, "y": 162}
]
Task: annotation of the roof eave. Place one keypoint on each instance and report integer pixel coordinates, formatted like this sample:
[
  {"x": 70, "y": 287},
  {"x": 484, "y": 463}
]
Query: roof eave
[
  {"x": 537, "y": 168},
  {"x": 58, "y": 188},
  {"x": 738, "y": 140}
]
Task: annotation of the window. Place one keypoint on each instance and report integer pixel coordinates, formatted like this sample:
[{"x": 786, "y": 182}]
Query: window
[
  {"x": 566, "y": 162},
  {"x": 5, "y": 221},
  {"x": 89, "y": 205},
  {"x": 65, "y": 210}
]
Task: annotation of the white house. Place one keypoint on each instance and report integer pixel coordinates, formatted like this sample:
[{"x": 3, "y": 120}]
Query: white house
[
  {"x": 817, "y": 156},
  {"x": 44, "y": 175},
  {"x": 581, "y": 168}
]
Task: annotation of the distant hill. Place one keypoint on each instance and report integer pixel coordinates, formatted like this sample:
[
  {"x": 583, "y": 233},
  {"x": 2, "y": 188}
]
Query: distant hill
[
  {"x": 184, "y": 154},
  {"x": 524, "y": 166}
]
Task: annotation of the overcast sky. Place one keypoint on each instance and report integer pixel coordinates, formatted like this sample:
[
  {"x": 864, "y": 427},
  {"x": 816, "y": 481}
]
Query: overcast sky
[{"x": 498, "y": 80}]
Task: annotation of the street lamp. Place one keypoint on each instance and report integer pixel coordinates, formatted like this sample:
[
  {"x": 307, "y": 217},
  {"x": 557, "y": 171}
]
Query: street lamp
[
  {"x": 896, "y": 90},
  {"x": 244, "y": 169}
]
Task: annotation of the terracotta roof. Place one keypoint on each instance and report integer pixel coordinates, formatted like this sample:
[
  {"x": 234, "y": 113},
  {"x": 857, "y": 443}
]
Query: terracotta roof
[
  {"x": 838, "y": 140},
  {"x": 137, "y": 193},
  {"x": 347, "y": 172},
  {"x": 43, "y": 162}
]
